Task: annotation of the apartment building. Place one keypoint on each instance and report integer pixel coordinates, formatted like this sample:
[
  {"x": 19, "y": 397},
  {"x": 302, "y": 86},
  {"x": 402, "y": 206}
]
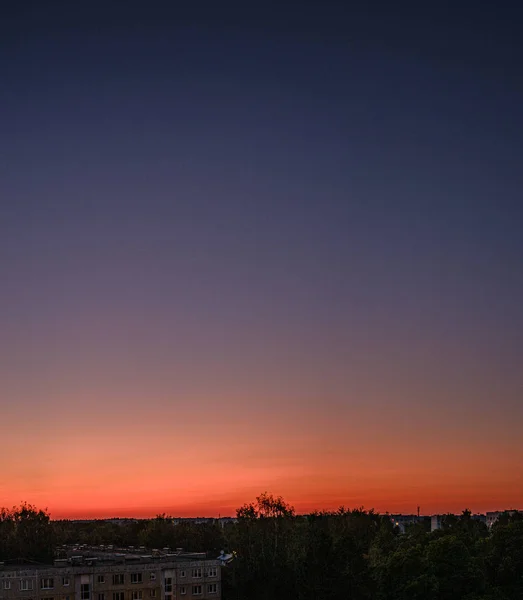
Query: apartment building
[
  {"x": 493, "y": 516},
  {"x": 115, "y": 577}
]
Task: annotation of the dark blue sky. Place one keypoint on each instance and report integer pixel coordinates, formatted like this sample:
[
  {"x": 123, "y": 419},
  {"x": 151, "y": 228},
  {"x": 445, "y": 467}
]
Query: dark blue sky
[{"x": 305, "y": 203}]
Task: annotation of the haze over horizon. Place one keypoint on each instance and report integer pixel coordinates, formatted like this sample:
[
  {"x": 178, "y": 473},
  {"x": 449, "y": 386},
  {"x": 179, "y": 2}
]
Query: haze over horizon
[{"x": 248, "y": 249}]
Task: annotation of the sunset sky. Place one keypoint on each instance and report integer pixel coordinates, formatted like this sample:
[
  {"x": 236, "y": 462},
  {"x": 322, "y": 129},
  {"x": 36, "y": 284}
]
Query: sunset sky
[{"x": 247, "y": 250}]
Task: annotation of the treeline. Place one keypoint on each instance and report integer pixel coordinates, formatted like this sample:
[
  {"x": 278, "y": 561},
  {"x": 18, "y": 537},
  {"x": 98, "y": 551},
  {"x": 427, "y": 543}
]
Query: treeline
[
  {"x": 159, "y": 532},
  {"x": 360, "y": 555},
  {"x": 346, "y": 555}
]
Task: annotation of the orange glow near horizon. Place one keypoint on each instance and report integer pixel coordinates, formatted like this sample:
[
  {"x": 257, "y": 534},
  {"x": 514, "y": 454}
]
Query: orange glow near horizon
[{"x": 209, "y": 468}]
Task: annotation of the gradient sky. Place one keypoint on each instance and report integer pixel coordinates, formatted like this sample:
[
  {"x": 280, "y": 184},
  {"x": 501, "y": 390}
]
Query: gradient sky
[{"x": 260, "y": 249}]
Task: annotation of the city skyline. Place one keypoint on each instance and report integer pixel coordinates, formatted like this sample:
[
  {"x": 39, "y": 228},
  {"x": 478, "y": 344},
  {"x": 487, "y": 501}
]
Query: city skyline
[{"x": 246, "y": 250}]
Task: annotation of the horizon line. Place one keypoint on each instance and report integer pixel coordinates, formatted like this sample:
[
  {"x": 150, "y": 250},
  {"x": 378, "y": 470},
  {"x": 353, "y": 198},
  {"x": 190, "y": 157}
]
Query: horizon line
[{"x": 301, "y": 514}]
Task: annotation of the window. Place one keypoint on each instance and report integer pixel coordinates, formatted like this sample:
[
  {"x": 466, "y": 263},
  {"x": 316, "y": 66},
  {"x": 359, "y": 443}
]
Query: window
[
  {"x": 197, "y": 573},
  {"x": 153, "y": 593},
  {"x": 47, "y": 583},
  {"x": 26, "y": 585},
  {"x": 65, "y": 581},
  {"x": 136, "y": 578},
  {"x": 183, "y": 590},
  {"x": 118, "y": 579},
  {"x": 101, "y": 596},
  {"x": 196, "y": 590},
  {"x": 182, "y": 573},
  {"x": 84, "y": 591},
  {"x": 7, "y": 585},
  {"x": 212, "y": 588},
  {"x": 168, "y": 584},
  {"x": 213, "y": 571},
  {"x": 137, "y": 595},
  {"x": 152, "y": 576},
  {"x": 118, "y": 596},
  {"x": 168, "y": 597},
  {"x": 101, "y": 578}
]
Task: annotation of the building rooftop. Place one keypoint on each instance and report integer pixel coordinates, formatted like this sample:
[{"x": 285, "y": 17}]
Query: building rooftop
[{"x": 90, "y": 556}]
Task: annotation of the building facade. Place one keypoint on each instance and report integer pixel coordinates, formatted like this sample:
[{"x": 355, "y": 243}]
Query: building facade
[
  {"x": 493, "y": 516},
  {"x": 135, "y": 578}
]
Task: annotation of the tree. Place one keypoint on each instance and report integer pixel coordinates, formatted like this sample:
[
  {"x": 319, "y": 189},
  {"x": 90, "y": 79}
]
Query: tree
[
  {"x": 504, "y": 559},
  {"x": 26, "y": 534},
  {"x": 456, "y": 569}
]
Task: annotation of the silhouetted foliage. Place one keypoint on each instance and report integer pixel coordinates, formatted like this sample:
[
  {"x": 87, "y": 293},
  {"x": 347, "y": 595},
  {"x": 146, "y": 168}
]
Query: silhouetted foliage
[
  {"x": 346, "y": 554},
  {"x": 26, "y": 534}
]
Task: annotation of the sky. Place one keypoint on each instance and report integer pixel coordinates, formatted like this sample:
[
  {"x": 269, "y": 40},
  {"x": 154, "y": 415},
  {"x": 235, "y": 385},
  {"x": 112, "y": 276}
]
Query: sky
[{"x": 260, "y": 248}]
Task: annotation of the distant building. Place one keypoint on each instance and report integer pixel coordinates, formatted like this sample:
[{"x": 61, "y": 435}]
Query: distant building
[
  {"x": 117, "y": 576},
  {"x": 227, "y": 520},
  {"x": 479, "y": 517},
  {"x": 436, "y": 522},
  {"x": 194, "y": 520},
  {"x": 403, "y": 521},
  {"x": 493, "y": 516},
  {"x": 204, "y": 520}
]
